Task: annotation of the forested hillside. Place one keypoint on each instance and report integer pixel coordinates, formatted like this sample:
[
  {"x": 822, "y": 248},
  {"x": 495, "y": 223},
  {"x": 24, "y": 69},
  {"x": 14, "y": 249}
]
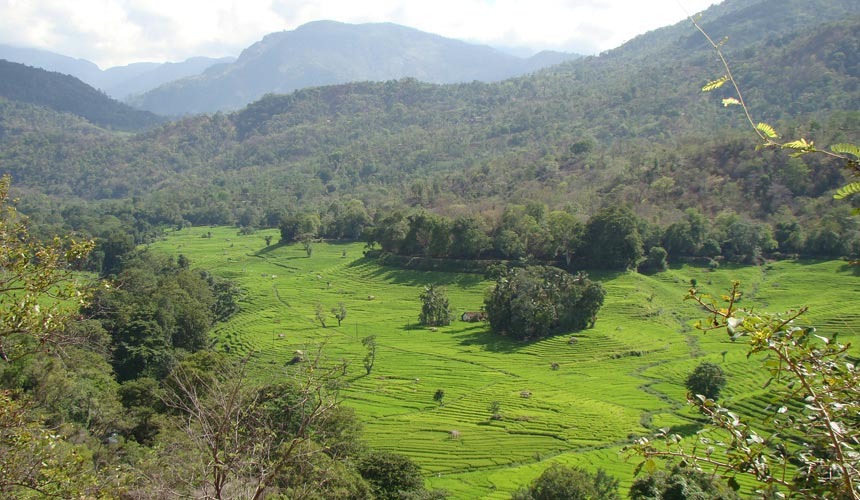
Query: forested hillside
[
  {"x": 629, "y": 127},
  {"x": 66, "y": 94}
]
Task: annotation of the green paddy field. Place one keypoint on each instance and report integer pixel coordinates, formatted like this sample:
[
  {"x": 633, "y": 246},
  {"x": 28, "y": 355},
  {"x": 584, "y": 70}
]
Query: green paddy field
[{"x": 621, "y": 379}]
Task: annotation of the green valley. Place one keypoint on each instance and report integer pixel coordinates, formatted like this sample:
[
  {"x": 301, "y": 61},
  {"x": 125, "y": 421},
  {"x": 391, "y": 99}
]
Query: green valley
[{"x": 621, "y": 379}]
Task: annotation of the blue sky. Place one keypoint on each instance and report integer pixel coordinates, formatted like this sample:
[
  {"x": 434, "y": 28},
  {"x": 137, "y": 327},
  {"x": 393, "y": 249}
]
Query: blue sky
[{"x": 117, "y": 32}]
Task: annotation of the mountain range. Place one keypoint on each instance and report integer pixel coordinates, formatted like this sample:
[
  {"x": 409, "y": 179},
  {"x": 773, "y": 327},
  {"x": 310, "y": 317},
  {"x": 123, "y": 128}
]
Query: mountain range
[
  {"x": 67, "y": 94},
  {"x": 327, "y": 53},
  {"x": 119, "y": 82},
  {"x": 318, "y": 53},
  {"x": 628, "y": 127}
]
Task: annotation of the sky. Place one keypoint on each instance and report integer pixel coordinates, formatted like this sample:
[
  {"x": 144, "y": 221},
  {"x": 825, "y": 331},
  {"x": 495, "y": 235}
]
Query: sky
[{"x": 118, "y": 32}]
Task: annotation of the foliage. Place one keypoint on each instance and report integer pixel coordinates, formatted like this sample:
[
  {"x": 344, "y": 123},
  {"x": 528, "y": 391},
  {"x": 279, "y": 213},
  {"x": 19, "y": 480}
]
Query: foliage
[
  {"x": 246, "y": 437},
  {"x": 813, "y": 451},
  {"x": 370, "y": 358},
  {"x": 391, "y": 476},
  {"x": 560, "y": 482},
  {"x": 155, "y": 308},
  {"x": 38, "y": 296},
  {"x": 681, "y": 483},
  {"x": 707, "y": 380},
  {"x": 534, "y": 302},
  {"x": 38, "y": 291},
  {"x": 36, "y": 462},
  {"x": 847, "y": 154},
  {"x": 434, "y": 307}
]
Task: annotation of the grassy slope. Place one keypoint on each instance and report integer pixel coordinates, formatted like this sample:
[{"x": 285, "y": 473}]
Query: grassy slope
[{"x": 622, "y": 378}]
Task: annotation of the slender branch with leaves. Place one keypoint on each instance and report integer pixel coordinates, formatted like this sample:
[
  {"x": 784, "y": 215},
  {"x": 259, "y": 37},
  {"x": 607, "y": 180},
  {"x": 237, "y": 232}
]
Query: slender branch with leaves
[
  {"x": 848, "y": 154},
  {"x": 808, "y": 443}
]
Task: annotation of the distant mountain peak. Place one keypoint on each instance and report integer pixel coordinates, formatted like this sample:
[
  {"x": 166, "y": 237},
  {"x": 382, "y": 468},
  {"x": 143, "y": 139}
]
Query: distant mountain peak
[{"x": 331, "y": 52}]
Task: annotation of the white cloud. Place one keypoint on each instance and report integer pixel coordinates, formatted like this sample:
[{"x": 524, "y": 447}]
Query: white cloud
[{"x": 112, "y": 32}]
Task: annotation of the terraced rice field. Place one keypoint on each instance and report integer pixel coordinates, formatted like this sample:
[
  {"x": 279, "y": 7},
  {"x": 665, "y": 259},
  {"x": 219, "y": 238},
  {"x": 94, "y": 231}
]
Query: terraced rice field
[{"x": 621, "y": 379}]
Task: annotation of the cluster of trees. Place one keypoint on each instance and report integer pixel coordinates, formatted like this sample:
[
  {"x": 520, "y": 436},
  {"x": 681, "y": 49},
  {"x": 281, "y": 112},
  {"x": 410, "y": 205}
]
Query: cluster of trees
[
  {"x": 613, "y": 238},
  {"x": 535, "y": 301},
  {"x": 560, "y": 482},
  {"x": 155, "y": 309},
  {"x": 435, "y": 310},
  {"x": 342, "y": 220}
]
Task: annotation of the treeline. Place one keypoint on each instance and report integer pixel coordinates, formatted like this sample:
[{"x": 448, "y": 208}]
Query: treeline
[{"x": 612, "y": 238}]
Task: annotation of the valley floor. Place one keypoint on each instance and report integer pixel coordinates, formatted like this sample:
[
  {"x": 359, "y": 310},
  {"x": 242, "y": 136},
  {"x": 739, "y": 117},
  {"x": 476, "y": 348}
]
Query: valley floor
[{"x": 622, "y": 379}]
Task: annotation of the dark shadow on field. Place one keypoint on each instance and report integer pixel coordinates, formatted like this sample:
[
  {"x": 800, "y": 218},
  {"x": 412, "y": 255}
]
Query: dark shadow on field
[
  {"x": 270, "y": 248},
  {"x": 687, "y": 430},
  {"x": 489, "y": 341},
  {"x": 410, "y": 277},
  {"x": 850, "y": 267}
]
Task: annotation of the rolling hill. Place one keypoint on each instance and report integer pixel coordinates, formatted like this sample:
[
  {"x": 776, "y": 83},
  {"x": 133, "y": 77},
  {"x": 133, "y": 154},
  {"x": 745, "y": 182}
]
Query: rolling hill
[
  {"x": 67, "y": 94},
  {"x": 118, "y": 82}
]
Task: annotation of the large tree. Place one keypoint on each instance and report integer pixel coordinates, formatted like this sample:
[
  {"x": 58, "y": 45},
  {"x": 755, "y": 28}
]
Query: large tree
[
  {"x": 560, "y": 482},
  {"x": 434, "y": 307},
  {"x": 536, "y": 301},
  {"x": 612, "y": 239},
  {"x": 707, "y": 380}
]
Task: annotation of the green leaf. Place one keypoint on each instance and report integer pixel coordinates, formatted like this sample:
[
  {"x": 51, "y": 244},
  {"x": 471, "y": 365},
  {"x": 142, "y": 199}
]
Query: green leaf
[
  {"x": 848, "y": 149},
  {"x": 799, "y": 144},
  {"x": 731, "y": 101},
  {"x": 847, "y": 190},
  {"x": 767, "y": 130},
  {"x": 715, "y": 84},
  {"x": 650, "y": 466}
]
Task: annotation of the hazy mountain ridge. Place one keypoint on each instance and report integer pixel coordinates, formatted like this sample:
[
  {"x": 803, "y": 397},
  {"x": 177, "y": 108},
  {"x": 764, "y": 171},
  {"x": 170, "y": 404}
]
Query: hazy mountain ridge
[
  {"x": 64, "y": 93},
  {"x": 328, "y": 52},
  {"x": 118, "y": 82}
]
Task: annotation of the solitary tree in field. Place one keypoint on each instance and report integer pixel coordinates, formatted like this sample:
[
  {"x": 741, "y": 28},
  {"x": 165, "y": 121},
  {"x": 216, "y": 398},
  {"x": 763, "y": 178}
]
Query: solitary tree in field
[
  {"x": 370, "y": 343},
  {"x": 434, "y": 307},
  {"x": 707, "y": 379},
  {"x": 320, "y": 314},
  {"x": 339, "y": 312},
  {"x": 307, "y": 243}
]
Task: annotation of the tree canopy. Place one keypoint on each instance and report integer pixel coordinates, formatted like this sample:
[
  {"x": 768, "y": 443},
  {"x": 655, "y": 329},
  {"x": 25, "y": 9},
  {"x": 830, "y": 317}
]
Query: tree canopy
[{"x": 537, "y": 301}]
